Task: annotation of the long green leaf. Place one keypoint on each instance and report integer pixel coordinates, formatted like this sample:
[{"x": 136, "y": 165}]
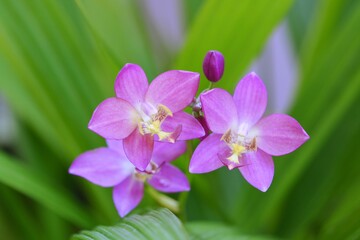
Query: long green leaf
[
  {"x": 238, "y": 29},
  {"x": 116, "y": 28},
  {"x": 215, "y": 231},
  {"x": 21, "y": 178}
]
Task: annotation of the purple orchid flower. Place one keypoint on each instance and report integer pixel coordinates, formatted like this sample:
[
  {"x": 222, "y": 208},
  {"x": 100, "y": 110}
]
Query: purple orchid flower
[
  {"x": 109, "y": 167},
  {"x": 141, "y": 113},
  {"x": 242, "y": 140}
]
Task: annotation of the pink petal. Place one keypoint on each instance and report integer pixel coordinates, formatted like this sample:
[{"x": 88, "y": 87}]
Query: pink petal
[
  {"x": 174, "y": 89},
  {"x": 169, "y": 179},
  {"x": 219, "y": 110},
  {"x": 114, "y": 118},
  {"x": 138, "y": 149},
  {"x": 102, "y": 166},
  {"x": 250, "y": 98},
  {"x": 258, "y": 169},
  {"x": 118, "y": 146},
  {"x": 131, "y": 84},
  {"x": 191, "y": 128},
  {"x": 127, "y": 195},
  {"x": 205, "y": 157},
  {"x": 279, "y": 134},
  {"x": 166, "y": 152},
  {"x": 206, "y": 128}
]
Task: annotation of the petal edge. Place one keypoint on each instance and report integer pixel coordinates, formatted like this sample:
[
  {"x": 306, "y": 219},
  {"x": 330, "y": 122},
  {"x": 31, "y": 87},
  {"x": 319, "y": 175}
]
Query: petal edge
[{"x": 279, "y": 134}]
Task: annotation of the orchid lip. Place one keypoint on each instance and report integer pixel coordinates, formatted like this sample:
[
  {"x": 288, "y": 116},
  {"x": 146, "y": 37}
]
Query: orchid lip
[
  {"x": 150, "y": 170},
  {"x": 238, "y": 144},
  {"x": 152, "y": 119}
]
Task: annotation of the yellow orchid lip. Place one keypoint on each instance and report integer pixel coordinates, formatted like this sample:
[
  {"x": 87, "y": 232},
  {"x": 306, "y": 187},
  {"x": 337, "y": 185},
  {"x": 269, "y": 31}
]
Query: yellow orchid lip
[
  {"x": 153, "y": 125},
  {"x": 239, "y": 144}
]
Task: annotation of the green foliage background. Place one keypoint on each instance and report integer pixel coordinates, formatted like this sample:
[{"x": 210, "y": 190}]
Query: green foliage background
[{"x": 58, "y": 60}]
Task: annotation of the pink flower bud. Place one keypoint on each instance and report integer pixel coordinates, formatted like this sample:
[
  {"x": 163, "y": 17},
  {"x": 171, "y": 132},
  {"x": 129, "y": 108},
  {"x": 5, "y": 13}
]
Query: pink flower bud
[{"x": 213, "y": 65}]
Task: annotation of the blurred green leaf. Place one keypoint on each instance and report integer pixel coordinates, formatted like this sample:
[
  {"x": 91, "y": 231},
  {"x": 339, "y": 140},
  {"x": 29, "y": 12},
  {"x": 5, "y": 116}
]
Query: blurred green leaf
[
  {"x": 18, "y": 216},
  {"x": 30, "y": 183},
  {"x": 300, "y": 18},
  {"x": 238, "y": 29},
  {"x": 215, "y": 231},
  {"x": 118, "y": 31}
]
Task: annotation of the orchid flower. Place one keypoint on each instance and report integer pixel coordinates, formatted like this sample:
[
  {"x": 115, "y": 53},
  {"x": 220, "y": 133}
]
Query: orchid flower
[
  {"x": 109, "y": 167},
  {"x": 242, "y": 140},
  {"x": 213, "y": 68},
  {"x": 141, "y": 113}
]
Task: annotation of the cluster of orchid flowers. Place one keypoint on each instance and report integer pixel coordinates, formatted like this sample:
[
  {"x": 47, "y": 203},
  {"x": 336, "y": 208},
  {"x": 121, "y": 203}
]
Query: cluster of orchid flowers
[{"x": 146, "y": 128}]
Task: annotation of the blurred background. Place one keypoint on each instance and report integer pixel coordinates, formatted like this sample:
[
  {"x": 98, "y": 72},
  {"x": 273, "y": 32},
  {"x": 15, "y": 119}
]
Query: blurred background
[{"x": 59, "y": 59}]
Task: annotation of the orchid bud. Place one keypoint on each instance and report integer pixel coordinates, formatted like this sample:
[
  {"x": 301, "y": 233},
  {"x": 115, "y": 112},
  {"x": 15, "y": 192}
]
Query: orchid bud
[{"x": 213, "y": 65}]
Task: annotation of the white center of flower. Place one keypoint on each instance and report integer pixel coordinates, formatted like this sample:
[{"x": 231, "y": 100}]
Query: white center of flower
[
  {"x": 239, "y": 144},
  {"x": 152, "y": 119}
]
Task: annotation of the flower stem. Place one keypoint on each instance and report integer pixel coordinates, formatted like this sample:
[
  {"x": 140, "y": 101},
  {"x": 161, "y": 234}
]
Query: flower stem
[
  {"x": 211, "y": 85},
  {"x": 184, "y": 195},
  {"x": 164, "y": 201}
]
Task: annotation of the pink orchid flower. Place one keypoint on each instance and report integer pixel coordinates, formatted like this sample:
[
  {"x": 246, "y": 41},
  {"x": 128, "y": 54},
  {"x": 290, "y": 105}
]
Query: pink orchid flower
[
  {"x": 109, "y": 167},
  {"x": 141, "y": 113},
  {"x": 242, "y": 140}
]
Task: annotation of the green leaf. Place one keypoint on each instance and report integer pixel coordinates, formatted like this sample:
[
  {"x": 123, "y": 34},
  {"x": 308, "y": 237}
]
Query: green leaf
[
  {"x": 238, "y": 29},
  {"x": 162, "y": 224},
  {"x": 21, "y": 178},
  {"x": 115, "y": 26},
  {"x": 215, "y": 231},
  {"x": 157, "y": 225}
]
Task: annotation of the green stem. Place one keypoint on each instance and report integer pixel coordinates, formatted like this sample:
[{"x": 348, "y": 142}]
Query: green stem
[
  {"x": 211, "y": 85},
  {"x": 184, "y": 195},
  {"x": 164, "y": 200}
]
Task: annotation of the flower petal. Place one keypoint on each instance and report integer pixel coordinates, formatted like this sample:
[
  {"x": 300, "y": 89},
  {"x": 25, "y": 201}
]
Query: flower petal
[
  {"x": 191, "y": 128},
  {"x": 127, "y": 195},
  {"x": 175, "y": 89},
  {"x": 102, "y": 166},
  {"x": 166, "y": 152},
  {"x": 225, "y": 158},
  {"x": 219, "y": 110},
  {"x": 250, "y": 98},
  {"x": 279, "y": 134},
  {"x": 205, "y": 158},
  {"x": 114, "y": 118},
  {"x": 258, "y": 169},
  {"x": 206, "y": 128},
  {"x": 131, "y": 84},
  {"x": 169, "y": 179},
  {"x": 118, "y": 146},
  {"x": 138, "y": 149}
]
